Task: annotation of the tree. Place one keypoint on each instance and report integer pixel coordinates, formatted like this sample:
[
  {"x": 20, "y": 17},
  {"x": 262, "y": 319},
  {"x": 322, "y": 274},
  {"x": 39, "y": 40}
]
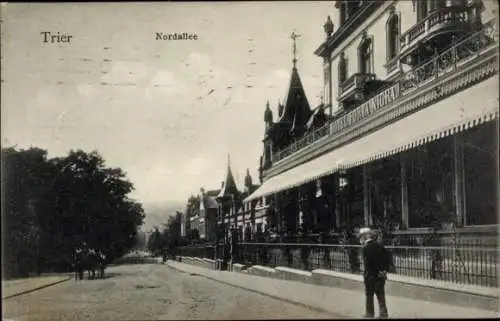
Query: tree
[
  {"x": 193, "y": 206},
  {"x": 54, "y": 205},
  {"x": 26, "y": 179},
  {"x": 155, "y": 242},
  {"x": 174, "y": 230}
]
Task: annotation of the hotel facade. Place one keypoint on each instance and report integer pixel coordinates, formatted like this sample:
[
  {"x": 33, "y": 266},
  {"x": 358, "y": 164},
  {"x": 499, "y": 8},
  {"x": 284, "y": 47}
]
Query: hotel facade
[{"x": 406, "y": 139}]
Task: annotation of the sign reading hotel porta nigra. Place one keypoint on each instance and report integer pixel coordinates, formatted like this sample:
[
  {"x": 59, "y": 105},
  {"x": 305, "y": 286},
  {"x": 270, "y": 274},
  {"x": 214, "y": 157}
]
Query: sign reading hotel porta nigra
[{"x": 367, "y": 108}]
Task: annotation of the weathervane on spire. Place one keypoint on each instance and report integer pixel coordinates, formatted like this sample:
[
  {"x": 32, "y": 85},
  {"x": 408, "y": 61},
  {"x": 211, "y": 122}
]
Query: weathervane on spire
[{"x": 293, "y": 37}]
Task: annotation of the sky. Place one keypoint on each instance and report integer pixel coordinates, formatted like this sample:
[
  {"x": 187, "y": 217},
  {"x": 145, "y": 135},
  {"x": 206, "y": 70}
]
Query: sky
[{"x": 167, "y": 112}]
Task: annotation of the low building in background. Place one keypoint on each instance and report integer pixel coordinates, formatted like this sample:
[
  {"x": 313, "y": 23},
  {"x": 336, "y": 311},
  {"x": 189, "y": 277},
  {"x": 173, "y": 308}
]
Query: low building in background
[{"x": 208, "y": 214}]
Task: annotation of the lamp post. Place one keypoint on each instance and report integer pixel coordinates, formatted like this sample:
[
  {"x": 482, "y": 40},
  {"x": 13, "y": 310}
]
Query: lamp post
[
  {"x": 233, "y": 206},
  {"x": 36, "y": 232}
]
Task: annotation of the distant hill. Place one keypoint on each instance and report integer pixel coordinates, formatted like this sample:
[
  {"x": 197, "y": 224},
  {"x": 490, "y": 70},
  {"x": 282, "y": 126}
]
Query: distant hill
[{"x": 158, "y": 213}]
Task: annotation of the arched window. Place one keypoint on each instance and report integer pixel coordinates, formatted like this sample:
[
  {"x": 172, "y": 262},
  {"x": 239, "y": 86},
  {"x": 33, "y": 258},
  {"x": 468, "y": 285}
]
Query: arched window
[
  {"x": 342, "y": 11},
  {"x": 392, "y": 36},
  {"x": 440, "y": 4},
  {"x": 422, "y": 9},
  {"x": 268, "y": 155},
  {"x": 365, "y": 56},
  {"x": 342, "y": 68}
]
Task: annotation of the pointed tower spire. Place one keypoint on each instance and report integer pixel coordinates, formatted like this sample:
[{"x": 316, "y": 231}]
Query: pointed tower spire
[
  {"x": 248, "y": 182},
  {"x": 229, "y": 184},
  {"x": 295, "y": 101}
]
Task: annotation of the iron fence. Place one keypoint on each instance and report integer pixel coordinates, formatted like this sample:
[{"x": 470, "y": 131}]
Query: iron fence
[
  {"x": 202, "y": 251},
  {"x": 460, "y": 52},
  {"x": 472, "y": 264}
]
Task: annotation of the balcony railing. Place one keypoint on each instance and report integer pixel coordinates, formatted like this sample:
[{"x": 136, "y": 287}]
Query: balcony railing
[
  {"x": 307, "y": 140},
  {"x": 392, "y": 65},
  {"x": 445, "y": 17},
  {"x": 447, "y": 61},
  {"x": 356, "y": 81},
  {"x": 443, "y": 63}
]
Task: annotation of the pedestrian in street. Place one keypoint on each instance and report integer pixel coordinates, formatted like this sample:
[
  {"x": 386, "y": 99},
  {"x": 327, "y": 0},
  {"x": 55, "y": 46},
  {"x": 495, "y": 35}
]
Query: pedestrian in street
[{"x": 377, "y": 262}]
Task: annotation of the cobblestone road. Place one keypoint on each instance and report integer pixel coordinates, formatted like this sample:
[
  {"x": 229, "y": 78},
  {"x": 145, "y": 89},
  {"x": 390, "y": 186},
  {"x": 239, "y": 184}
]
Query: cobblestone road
[{"x": 149, "y": 292}]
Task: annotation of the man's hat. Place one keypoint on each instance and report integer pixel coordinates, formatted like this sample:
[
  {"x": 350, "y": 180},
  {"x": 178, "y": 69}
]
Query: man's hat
[{"x": 366, "y": 231}]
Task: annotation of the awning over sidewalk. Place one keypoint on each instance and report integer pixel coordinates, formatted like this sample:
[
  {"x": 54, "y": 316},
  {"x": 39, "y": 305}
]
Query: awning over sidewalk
[{"x": 461, "y": 111}]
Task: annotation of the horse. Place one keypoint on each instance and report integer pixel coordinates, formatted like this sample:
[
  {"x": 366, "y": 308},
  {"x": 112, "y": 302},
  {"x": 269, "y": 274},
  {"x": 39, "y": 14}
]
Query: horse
[
  {"x": 91, "y": 260},
  {"x": 78, "y": 263},
  {"x": 101, "y": 263}
]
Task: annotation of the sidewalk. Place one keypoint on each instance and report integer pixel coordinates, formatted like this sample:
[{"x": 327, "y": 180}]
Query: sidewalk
[
  {"x": 348, "y": 303},
  {"x": 13, "y": 288}
]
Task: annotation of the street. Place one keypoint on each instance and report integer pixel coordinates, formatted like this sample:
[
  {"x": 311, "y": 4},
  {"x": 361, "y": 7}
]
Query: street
[{"x": 149, "y": 292}]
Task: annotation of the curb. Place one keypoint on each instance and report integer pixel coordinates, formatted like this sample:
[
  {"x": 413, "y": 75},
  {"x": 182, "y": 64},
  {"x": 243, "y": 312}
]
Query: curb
[
  {"x": 37, "y": 288},
  {"x": 340, "y": 316}
]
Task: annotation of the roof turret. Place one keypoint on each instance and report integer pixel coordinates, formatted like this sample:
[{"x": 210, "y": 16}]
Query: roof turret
[{"x": 229, "y": 185}]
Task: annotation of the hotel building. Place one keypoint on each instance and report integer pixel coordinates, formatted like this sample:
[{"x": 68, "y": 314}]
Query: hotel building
[{"x": 406, "y": 140}]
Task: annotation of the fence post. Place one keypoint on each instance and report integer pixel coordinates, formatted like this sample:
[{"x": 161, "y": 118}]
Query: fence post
[
  {"x": 436, "y": 63},
  {"x": 454, "y": 51}
]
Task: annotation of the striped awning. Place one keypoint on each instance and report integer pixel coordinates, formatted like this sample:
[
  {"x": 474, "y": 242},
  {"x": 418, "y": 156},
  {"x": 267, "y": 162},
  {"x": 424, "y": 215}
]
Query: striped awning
[{"x": 459, "y": 112}]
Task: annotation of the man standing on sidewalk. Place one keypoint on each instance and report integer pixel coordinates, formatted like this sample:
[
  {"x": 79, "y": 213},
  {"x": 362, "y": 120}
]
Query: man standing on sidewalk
[{"x": 377, "y": 261}]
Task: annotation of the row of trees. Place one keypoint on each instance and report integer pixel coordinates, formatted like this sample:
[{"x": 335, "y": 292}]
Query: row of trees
[
  {"x": 169, "y": 238},
  {"x": 52, "y": 205}
]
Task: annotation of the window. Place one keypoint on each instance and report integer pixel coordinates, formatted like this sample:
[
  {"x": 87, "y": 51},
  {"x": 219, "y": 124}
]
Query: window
[
  {"x": 342, "y": 12},
  {"x": 481, "y": 176},
  {"x": 365, "y": 56},
  {"x": 440, "y": 4},
  {"x": 385, "y": 189},
  {"x": 268, "y": 155},
  {"x": 342, "y": 69},
  {"x": 422, "y": 9},
  {"x": 430, "y": 184},
  {"x": 392, "y": 36}
]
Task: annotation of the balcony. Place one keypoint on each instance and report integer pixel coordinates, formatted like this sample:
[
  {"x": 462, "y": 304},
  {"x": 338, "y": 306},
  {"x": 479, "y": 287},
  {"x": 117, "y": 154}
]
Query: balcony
[
  {"x": 392, "y": 66},
  {"x": 354, "y": 87},
  {"x": 445, "y": 62},
  {"x": 449, "y": 20},
  {"x": 307, "y": 140}
]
